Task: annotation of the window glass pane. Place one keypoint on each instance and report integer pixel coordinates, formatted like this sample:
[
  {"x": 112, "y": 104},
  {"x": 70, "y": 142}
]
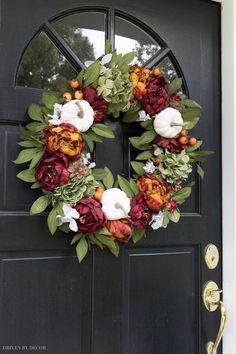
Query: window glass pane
[
  {"x": 167, "y": 69},
  {"x": 43, "y": 64},
  {"x": 84, "y": 32},
  {"x": 129, "y": 37}
]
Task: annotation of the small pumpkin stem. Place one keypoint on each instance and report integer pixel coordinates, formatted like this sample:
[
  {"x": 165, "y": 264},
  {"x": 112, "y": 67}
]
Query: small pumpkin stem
[
  {"x": 176, "y": 124},
  {"x": 81, "y": 111},
  {"x": 118, "y": 206}
]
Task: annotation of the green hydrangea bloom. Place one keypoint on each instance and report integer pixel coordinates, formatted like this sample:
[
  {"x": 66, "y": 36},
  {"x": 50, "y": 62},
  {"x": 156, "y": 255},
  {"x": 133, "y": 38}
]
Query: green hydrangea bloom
[
  {"x": 76, "y": 189},
  {"x": 116, "y": 88},
  {"x": 174, "y": 167}
]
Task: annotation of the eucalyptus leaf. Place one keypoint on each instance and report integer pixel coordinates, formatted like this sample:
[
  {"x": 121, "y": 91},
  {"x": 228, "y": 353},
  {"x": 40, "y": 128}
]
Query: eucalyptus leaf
[
  {"x": 27, "y": 175},
  {"x": 125, "y": 186},
  {"x": 40, "y": 204},
  {"x": 82, "y": 248},
  {"x": 138, "y": 167}
]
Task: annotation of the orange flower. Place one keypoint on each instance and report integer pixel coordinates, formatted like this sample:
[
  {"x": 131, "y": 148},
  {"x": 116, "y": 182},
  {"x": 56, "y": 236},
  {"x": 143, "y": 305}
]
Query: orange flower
[
  {"x": 157, "y": 191},
  {"x": 120, "y": 229},
  {"x": 140, "y": 79},
  {"x": 64, "y": 138}
]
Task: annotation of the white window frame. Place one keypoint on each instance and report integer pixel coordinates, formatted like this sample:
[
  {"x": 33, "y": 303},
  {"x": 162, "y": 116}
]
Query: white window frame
[{"x": 228, "y": 12}]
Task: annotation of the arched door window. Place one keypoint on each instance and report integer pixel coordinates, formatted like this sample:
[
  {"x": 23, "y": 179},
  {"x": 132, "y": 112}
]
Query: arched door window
[{"x": 62, "y": 46}]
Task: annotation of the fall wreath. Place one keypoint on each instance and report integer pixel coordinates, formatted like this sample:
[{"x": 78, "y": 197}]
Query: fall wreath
[{"x": 59, "y": 141}]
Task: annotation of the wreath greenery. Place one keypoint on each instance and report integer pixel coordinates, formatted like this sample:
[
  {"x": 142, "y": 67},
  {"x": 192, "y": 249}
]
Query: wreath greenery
[{"x": 101, "y": 210}]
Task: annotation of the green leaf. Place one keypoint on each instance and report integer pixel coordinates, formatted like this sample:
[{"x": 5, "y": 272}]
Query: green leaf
[
  {"x": 125, "y": 186},
  {"x": 116, "y": 250},
  {"x": 27, "y": 175},
  {"x": 82, "y": 249},
  {"x": 166, "y": 219},
  {"x": 36, "y": 127},
  {"x": 35, "y": 185},
  {"x": 191, "y": 124},
  {"x": 36, "y": 158},
  {"x": 92, "y": 73},
  {"x": 137, "y": 235},
  {"x": 182, "y": 195},
  {"x": 191, "y": 103},
  {"x": 99, "y": 173},
  {"x": 105, "y": 240},
  {"x": 49, "y": 99},
  {"x": 194, "y": 147},
  {"x": 108, "y": 180},
  {"x": 200, "y": 153},
  {"x": 102, "y": 130},
  {"x": 132, "y": 115},
  {"x": 80, "y": 77},
  {"x": 134, "y": 186},
  {"x": 52, "y": 221},
  {"x": 127, "y": 59},
  {"x": 175, "y": 85},
  {"x": 138, "y": 167},
  {"x": 65, "y": 228},
  {"x": 148, "y": 124},
  {"x": 40, "y": 205},
  {"x": 96, "y": 241},
  {"x": 108, "y": 47},
  {"x": 89, "y": 141},
  {"x": 76, "y": 238},
  {"x": 104, "y": 231},
  {"x": 174, "y": 216},
  {"x": 189, "y": 114},
  {"x": 200, "y": 171},
  {"x": 146, "y": 155},
  {"x": 35, "y": 113},
  {"x": 25, "y": 155},
  {"x": 140, "y": 141},
  {"x": 30, "y": 143},
  {"x": 94, "y": 136}
]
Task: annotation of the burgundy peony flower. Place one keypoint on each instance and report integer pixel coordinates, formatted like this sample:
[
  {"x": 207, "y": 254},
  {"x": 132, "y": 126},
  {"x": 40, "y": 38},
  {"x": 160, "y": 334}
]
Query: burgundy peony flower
[
  {"x": 99, "y": 117},
  {"x": 157, "y": 96},
  {"x": 92, "y": 218},
  {"x": 97, "y": 102},
  {"x": 52, "y": 171},
  {"x": 172, "y": 145},
  {"x": 140, "y": 214}
]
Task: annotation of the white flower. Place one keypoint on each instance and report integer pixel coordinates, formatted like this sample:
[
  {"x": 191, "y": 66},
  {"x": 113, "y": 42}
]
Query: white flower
[
  {"x": 78, "y": 113},
  {"x": 149, "y": 167},
  {"x": 105, "y": 60},
  {"x": 56, "y": 114},
  {"x": 168, "y": 123},
  {"x": 86, "y": 160},
  {"x": 115, "y": 204},
  {"x": 70, "y": 214},
  {"x": 157, "y": 221},
  {"x": 143, "y": 116}
]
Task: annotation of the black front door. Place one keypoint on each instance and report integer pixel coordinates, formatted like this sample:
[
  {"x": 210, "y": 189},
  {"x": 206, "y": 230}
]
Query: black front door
[{"x": 148, "y": 300}]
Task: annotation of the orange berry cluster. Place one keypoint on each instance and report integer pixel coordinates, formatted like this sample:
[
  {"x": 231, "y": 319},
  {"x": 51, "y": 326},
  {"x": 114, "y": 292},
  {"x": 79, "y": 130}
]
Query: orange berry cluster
[
  {"x": 184, "y": 139},
  {"x": 76, "y": 93},
  {"x": 140, "y": 78}
]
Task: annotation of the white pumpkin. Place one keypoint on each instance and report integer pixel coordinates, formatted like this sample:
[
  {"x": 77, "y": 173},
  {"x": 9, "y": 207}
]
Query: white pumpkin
[
  {"x": 115, "y": 204},
  {"x": 78, "y": 113},
  {"x": 168, "y": 123}
]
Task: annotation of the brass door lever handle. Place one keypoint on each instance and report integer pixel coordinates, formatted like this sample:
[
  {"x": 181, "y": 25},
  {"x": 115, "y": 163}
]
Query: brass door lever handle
[{"x": 211, "y": 299}]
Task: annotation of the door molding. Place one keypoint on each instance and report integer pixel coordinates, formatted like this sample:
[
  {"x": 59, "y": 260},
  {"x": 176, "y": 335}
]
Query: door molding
[{"x": 229, "y": 167}]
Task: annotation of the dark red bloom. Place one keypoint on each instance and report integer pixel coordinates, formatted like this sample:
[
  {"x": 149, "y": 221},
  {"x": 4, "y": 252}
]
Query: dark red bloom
[
  {"x": 52, "y": 171},
  {"x": 140, "y": 214},
  {"x": 92, "y": 218},
  {"x": 157, "y": 96},
  {"x": 177, "y": 99},
  {"x": 171, "y": 206},
  {"x": 99, "y": 117},
  {"x": 97, "y": 102},
  {"x": 172, "y": 145}
]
